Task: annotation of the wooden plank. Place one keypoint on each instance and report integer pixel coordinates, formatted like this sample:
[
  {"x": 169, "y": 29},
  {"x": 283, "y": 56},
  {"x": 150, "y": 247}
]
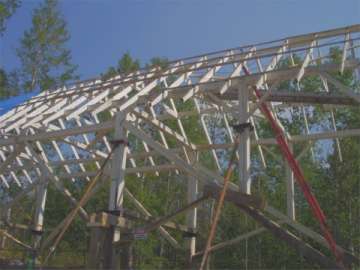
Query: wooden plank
[
  {"x": 271, "y": 77},
  {"x": 304, "y": 249},
  {"x": 214, "y": 191},
  {"x": 15, "y": 240},
  {"x": 162, "y": 221},
  {"x": 105, "y": 126},
  {"x": 140, "y": 207},
  {"x": 342, "y": 87},
  {"x": 348, "y": 257}
]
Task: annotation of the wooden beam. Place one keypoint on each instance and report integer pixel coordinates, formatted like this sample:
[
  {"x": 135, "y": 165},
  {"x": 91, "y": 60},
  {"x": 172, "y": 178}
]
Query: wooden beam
[
  {"x": 106, "y": 126},
  {"x": 140, "y": 207},
  {"x": 162, "y": 221},
  {"x": 214, "y": 191},
  {"x": 292, "y": 240}
]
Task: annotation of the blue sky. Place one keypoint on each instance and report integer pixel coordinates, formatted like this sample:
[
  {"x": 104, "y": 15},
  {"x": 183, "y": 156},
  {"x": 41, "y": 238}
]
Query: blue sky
[{"x": 102, "y": 30}]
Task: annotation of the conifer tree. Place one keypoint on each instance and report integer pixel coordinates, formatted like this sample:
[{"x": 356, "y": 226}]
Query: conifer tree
[
  {"x": 45, "y": 59},
  {"x": 126, "y": 64},
  {"x": 7, "y": 9}
]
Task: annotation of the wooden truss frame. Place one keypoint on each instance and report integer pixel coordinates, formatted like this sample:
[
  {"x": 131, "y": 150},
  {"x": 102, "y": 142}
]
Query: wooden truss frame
[{"x": 54, "y": 135}]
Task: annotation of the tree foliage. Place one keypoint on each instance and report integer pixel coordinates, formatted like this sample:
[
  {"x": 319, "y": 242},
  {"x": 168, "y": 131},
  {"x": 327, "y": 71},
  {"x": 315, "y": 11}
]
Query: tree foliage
[
  {"x": 8, "y": 84},
  {"x": 45, "y": 59},
  {"x": 7, "y": 9},
  {"x": 8, "y": 81},
  {"x": 126, "y": 64}
]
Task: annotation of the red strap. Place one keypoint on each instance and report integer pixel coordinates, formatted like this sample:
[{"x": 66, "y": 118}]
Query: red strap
[{"x": 299, "y": 176}]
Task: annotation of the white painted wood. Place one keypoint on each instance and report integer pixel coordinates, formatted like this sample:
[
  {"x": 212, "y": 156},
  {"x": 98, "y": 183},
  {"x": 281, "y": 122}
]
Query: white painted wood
[
  {"x": 38, "y": 222},
  {"x": 344, "y": 53},
  {"x": 206, "y": 77},
  {"x": 244, "y": 145},
  {"x": 118, "y": 165},
  {"x": 306, "y": 61},
  {"x": 105, "y": 126},
  {"x": 236, "y": 72},
  {"x": 290, "y": 190},
  {"x": 341, "y": 86},
  {"x": 192, "y": 195},
  {"x": 207, "y": 135}
]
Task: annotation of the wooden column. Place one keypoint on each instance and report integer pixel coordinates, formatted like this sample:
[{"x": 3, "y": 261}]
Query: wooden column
[
  {"x": 244, "y": 146},
  {"x": 7, "y": 218},
  {"x": 103, "y": 251},
  {"x": 290, "y": 191},
  {"x": 98, "y": 237},
  {"x": 118, "y": 166},
  {"x": 41, "y": 193},
  {"x": 192, "y": 193}
]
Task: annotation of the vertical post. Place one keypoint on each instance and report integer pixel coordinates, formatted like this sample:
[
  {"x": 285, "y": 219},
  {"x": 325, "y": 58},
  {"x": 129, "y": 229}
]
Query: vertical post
[
  {"x": 41, "y": 192},
  {"x": 7, "y": 218},
  {"x": 118, "y": 166},
  {"x": 290, "y": 192},
  {"x": 244, "y": 145},
  {"x": 38, "y": 219},
  {"x": 96, "y": 251},
  {"x": 192, "y": 191}
]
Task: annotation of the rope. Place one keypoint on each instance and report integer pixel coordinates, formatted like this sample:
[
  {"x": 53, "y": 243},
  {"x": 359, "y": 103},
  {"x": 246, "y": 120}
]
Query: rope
[{"x": 219, "y": 206}]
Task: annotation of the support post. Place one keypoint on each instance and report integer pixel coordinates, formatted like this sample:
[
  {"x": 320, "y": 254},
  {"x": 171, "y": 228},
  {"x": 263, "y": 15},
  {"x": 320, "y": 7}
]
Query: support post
[
  {"x": 38, "y": 218},
  {"x": 244, "y": 145},
  {"x": 105, "y": 250},
  {"x": 101, "y": 250},
  {"x": 7, "y": 218},
  {"x": 290, "y": 192},
  {"x": 118, "y": 166},
  {"x": 41, "y": 192},
  {"x": 192, "y": 192}
]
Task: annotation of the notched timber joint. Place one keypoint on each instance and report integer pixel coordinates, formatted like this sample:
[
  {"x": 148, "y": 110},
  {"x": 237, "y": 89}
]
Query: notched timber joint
[
  {"x": 240, "y": 128},
  {"x": 116, "y": 143},
  {"x": 189, "y": 234},
  {"x": 118, "y": 212},
  {"x": 37, "y": 232}
]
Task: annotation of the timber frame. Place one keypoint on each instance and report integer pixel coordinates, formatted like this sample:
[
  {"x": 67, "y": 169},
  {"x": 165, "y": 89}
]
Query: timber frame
[{"x": 54, "y": 136}]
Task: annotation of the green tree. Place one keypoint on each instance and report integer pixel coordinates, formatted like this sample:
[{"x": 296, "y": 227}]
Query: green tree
[
  {"x": 159, "y": 62},
  {"x": 126, "y": 64},
  {"x": 46, "y": 62},
  {"x": 8, "y": 81},
  {"x": 8, "y": 84},
  {"x": 3, "y": 83},
  {"x": 7, "y": 9}
]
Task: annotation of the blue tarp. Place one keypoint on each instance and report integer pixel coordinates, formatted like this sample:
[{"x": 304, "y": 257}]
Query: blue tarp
[{"x": 7, "y": 104}]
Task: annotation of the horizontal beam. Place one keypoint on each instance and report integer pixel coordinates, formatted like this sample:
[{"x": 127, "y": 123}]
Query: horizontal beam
[
  {"x": 135, "y": 170},
  {"x": 272, "y": 76},
  {"x": 214, "y": 191},
  {"x": 323, "y": 98},
  {"x": 59, "y": 134},
  {"x": 200, "y": 147}
]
